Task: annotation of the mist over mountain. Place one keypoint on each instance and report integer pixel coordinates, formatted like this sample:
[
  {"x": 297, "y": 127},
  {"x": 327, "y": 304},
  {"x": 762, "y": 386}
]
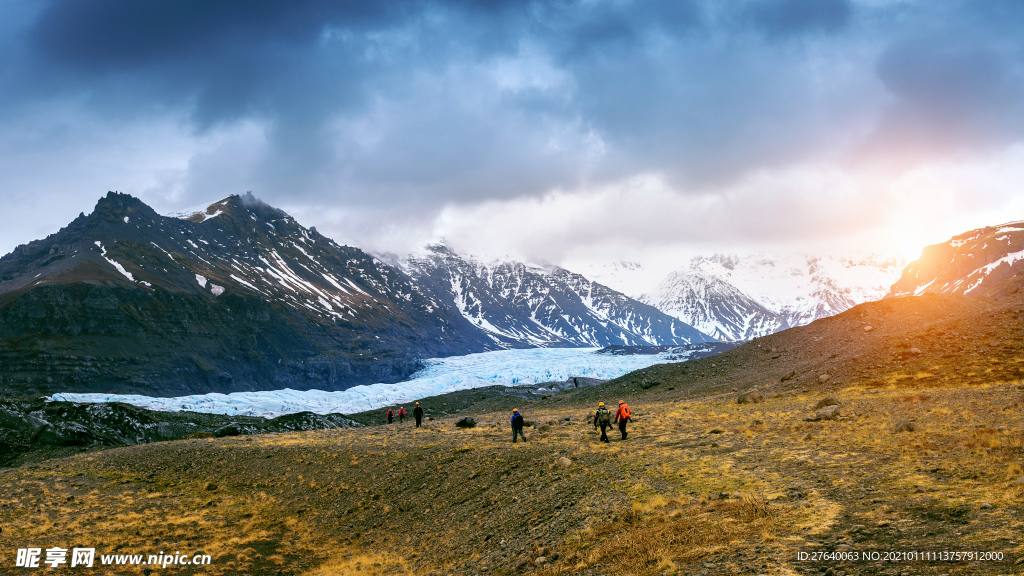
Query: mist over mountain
[{"x": 732, "y": 297}]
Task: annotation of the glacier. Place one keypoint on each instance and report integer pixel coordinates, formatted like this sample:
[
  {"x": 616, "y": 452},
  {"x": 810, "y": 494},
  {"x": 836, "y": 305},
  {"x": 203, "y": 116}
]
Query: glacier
[{"x": 439, "y": 376}]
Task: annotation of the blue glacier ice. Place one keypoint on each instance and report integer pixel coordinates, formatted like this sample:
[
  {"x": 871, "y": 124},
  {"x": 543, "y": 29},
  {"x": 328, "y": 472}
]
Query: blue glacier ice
[{"x": 441, "y": 375}]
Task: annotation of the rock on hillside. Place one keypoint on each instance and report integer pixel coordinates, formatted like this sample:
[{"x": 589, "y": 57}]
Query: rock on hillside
[{"x": 37, "y": 429}]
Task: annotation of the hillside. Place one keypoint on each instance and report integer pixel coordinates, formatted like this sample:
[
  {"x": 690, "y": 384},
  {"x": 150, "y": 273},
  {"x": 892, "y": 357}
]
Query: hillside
[{"x": 703, "y": 484}]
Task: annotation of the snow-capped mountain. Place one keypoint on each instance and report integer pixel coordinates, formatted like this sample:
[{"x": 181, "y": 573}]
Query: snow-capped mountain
[
  {"x": 742, "y": 297},
  {"x": 522, "y": 305},
  {"x": 984, "y": 262},
  {"x": 234, "y": 296}
]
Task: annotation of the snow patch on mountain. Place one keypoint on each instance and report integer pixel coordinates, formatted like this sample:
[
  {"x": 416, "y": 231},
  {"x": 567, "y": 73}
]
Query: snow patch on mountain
[
  {"x": 116, "y": 265},
  {"x": 200, "y": 213}
]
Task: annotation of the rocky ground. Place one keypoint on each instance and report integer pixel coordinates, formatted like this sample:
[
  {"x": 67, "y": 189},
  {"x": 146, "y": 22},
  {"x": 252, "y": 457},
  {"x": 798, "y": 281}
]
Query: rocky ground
[
  {"x": 703, "y": 485},
  {"x": 33, "y": 429}
]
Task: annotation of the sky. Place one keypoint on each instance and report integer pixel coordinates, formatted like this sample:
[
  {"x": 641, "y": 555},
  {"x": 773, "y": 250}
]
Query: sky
[{"x": 569, "y": 132}]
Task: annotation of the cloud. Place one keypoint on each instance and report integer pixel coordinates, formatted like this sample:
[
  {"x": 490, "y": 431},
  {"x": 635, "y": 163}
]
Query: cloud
[
  {"x": 787, "y": 18},
  {"x": 379, "y": 117}
]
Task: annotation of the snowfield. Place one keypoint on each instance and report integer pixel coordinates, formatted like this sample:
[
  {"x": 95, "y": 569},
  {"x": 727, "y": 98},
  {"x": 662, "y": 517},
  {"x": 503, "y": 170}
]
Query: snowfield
[{"x": 441, "y": 375}]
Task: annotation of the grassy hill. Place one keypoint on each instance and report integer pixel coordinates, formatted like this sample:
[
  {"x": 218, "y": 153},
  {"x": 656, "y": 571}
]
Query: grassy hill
[{"x": 703, "y": 485}]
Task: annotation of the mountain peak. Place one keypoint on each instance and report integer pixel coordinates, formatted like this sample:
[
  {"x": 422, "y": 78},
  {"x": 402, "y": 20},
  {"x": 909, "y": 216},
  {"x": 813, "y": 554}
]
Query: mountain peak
[
  {"x": 117, "y": 205},
  {"x": 233, "y": 204}
]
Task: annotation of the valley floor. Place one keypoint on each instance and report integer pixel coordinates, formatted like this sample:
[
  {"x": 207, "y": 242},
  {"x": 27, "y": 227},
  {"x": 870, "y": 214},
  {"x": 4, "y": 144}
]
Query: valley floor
[{"x": 702, "y": 486}]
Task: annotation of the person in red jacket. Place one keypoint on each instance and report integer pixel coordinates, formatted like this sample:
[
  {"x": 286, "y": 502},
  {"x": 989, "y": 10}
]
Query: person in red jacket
[
  {"x": 401, "y": 414},
  {"x": 622, "y": 415},
  {"x": 390, "y": 415}
]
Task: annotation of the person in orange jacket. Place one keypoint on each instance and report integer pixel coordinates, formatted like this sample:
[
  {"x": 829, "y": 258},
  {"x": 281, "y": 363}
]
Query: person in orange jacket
[
  {"x": 401, "y": 414},
  {"x": 390, "y": 415},
  {"x": 622, "y": 415}
]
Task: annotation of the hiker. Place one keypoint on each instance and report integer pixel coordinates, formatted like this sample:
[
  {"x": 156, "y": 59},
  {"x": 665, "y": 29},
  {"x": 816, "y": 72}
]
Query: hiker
[
  {"x": 401, "y": 414},
  {"x": 417, "y": 413},
  {"x": 390, "y": 415},
  {"x": 603, "y": 418},
  {"x": 517, "y": 425},
  {"x": 622, "y": 415}
]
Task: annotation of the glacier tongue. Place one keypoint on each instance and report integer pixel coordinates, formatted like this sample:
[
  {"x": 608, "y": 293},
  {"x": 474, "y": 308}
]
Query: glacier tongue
[{"x": 441, "y": 375}]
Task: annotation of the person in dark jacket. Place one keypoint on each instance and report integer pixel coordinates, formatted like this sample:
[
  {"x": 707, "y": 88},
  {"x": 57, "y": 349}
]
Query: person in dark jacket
[
  {"x": 417, "y": 413},
  {"x": 623, "y": 415},
  {"x": 603, "y": 418},
  {"x": 390, "y": 415},
  {"x": 517, "y": 426}
]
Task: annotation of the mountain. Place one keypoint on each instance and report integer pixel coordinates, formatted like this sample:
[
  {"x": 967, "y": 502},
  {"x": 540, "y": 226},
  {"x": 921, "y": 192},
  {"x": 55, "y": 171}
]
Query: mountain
[
  {"x": 733, "y": 297},
  {"x": 984, "y": 262},
  {"x": 235, "y": 296},
  {"x": 520, "y": 305}
]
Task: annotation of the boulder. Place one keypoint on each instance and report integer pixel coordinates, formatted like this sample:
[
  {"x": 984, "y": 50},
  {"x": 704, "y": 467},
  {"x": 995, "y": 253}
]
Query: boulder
[
  {"x": 824, "y": 378},
  {"x": 229, "y": 430},
  {"x": 869, "y": 328},
  {"x": 904, "y": 426},
  {"x": 827, "y": 401},
  {"x": 750, "y": 397},
  {"x": 564, "y": 462},
  {"x": 466, "y": 422},
  {"x": 826, "y": 413}
]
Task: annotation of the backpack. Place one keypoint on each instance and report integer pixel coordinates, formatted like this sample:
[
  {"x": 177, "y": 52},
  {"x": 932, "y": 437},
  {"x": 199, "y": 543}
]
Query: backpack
[
  {"x": 604, "y": 416},
  {"x": 517, "y": 421},
  {"x": 624, "y": 412},
  {"x": 390, "y": 414},
  {"x": 401, "y": 412}
]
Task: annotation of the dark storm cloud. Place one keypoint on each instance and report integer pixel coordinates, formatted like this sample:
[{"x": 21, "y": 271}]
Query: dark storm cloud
[
  {"x": 421, "y": 103},
  {"x": 786, "y": 18},
  {"x": 649, "y": 79},
  {"x": 231, "y": 58},
  {"x": 952, "y": 92}
]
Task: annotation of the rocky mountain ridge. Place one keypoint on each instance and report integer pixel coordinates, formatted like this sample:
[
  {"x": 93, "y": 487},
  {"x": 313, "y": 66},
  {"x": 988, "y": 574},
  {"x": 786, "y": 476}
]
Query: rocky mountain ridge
[
  {"x": 517, "y": 304},
  {"x": 986, "y": 261},
  {"x": 237, "y": 297}
]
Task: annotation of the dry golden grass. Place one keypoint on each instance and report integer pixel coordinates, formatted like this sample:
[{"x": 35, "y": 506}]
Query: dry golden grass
[{"x": 701, "y": 482}]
